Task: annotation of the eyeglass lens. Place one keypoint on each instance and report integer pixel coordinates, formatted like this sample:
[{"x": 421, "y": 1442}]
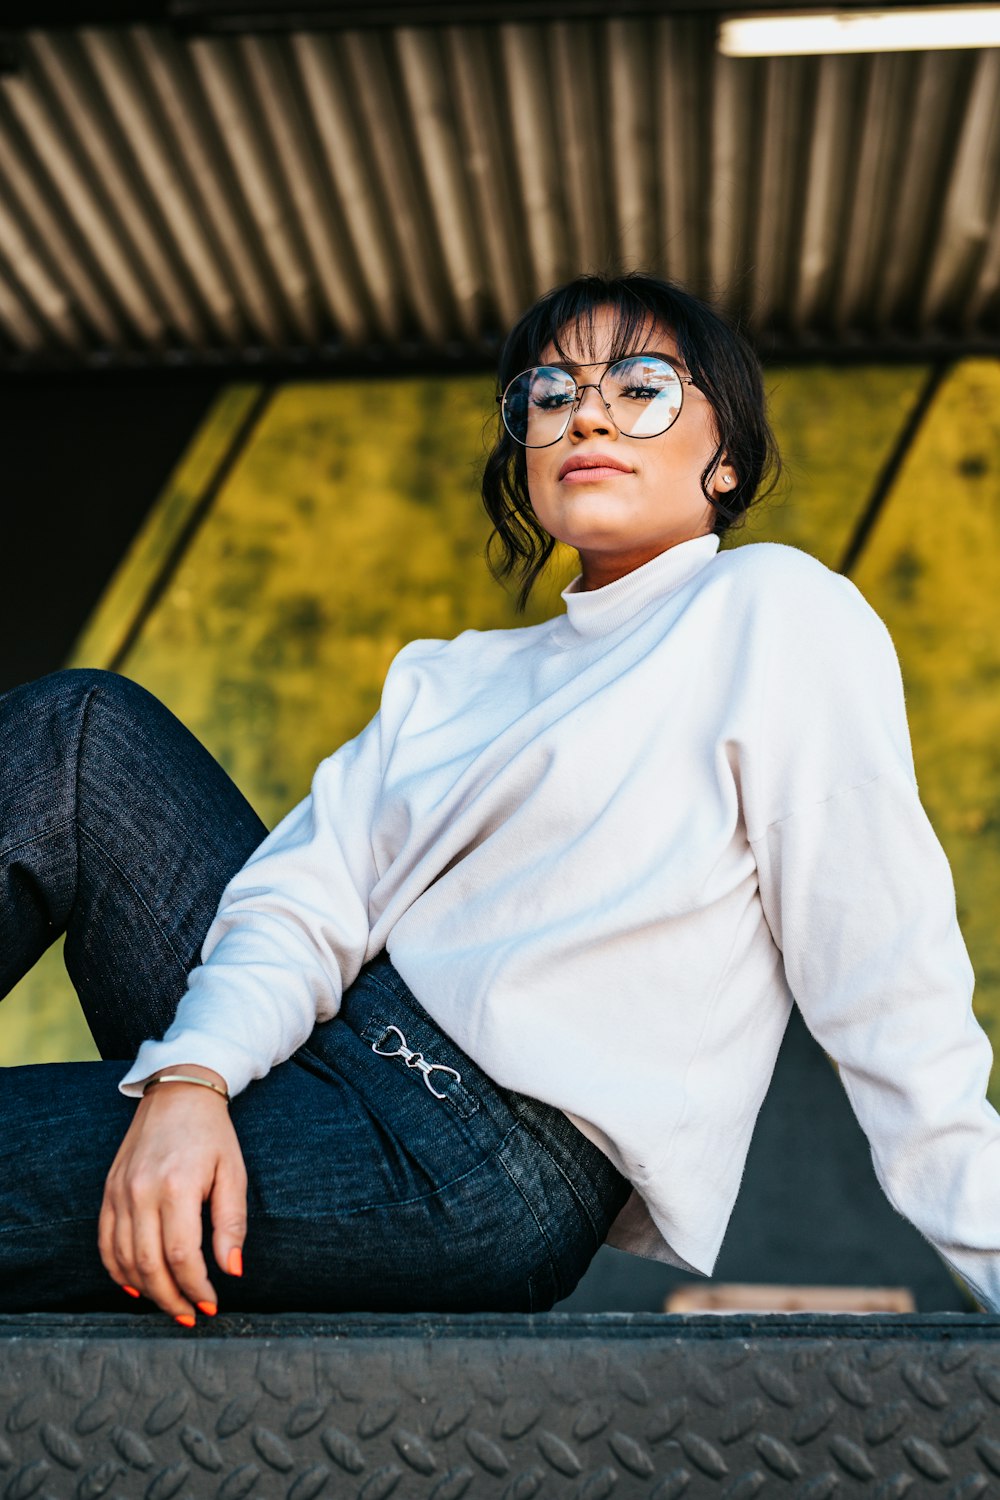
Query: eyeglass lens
[{"x": 643, "y": 395}]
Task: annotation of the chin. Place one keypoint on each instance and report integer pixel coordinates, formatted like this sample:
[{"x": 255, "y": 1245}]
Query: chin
[{"x": 598, "y": 525}]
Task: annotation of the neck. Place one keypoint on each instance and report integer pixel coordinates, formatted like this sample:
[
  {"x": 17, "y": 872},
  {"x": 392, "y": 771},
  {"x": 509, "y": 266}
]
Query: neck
[{"x": 599, "y": 569}]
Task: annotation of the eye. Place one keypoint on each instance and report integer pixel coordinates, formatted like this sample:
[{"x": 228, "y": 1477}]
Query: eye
[
  {"x": 550, "y": 389},
  {"x": 642, "y": 392},
  {"x": 642, "y": 380}
]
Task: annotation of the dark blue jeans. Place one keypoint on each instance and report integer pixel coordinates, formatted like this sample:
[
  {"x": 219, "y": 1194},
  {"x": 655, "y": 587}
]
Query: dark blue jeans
[{"x": 365, "y": 1190}]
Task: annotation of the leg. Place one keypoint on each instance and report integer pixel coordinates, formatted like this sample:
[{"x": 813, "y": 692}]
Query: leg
[
  {"x": 118, "y": 828},
  {"x": 366, "y": 1191}
]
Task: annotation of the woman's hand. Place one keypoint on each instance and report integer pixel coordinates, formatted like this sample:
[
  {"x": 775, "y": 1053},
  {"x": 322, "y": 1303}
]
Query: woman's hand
[{"x": 180, "y": 1149}]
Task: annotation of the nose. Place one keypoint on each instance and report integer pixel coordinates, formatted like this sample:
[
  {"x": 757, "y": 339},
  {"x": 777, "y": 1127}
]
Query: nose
[{"x": 591, "y": 417}]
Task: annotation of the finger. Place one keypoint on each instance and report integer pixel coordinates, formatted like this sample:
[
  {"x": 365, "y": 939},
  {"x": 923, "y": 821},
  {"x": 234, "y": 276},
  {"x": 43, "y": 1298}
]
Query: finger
[
  {"x": 152, "y": 1274},
  {"x": 181, "y": 1222},
  {"x": 123, "y": 1248},
  {"x": 106, "y": 1248},
  {"x": 229, "y": 1215}
]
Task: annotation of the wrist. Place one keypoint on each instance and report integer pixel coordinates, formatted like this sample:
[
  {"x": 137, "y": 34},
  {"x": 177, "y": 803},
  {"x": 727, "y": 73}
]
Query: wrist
[
  {"x": 209, "y": 1074},
  {"x": 191, "y": 1077}
]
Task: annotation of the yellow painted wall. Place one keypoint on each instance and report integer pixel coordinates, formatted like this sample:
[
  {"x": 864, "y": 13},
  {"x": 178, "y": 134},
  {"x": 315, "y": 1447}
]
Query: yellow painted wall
[
  {"x": 352, "y": 524},
  {"x": 932, "y": 570}
]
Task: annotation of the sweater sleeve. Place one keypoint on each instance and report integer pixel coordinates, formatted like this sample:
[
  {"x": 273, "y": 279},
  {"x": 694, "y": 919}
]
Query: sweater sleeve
[
  {"x": 290, "y": 934},
  {"x": 859, "y": 896}
]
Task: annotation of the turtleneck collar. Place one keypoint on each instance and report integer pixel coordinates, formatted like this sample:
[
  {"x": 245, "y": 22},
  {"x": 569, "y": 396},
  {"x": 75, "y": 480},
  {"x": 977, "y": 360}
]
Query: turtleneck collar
[{"x": 595, "y": 612}]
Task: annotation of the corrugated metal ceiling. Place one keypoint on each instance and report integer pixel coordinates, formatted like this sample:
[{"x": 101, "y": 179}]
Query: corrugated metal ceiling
[{"x": 340, "y": 196}]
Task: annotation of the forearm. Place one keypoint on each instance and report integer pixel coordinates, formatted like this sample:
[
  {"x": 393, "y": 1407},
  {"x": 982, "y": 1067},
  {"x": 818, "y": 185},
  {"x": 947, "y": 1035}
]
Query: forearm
[
  {"x": 290, "y": 934},
  {"x": 859, "y": 894}
]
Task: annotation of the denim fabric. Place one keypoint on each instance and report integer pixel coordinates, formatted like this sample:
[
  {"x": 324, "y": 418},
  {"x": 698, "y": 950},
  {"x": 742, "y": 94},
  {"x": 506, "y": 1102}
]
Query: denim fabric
[{"x": 366, "y": 1189}]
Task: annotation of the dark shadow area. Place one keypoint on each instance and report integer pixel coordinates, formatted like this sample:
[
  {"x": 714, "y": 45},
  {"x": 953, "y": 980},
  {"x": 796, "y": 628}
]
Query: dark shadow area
[{"x": 84, "y": 460}]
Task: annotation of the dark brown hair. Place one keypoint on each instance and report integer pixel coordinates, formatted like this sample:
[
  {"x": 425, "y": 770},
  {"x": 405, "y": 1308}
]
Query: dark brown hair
[{"x": 722, "y": 364}]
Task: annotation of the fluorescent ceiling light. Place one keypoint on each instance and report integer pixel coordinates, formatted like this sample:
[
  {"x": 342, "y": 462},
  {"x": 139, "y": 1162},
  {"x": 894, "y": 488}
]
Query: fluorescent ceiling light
[{"x": 925, "y": 30}]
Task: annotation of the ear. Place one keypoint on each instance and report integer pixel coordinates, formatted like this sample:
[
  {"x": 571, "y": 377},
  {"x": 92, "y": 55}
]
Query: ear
[{"x": 725, "y": 478}]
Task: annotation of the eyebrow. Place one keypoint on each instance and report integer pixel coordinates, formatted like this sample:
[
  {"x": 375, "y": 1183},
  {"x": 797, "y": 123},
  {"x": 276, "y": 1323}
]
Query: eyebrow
[{"x": 672, "y": 359}]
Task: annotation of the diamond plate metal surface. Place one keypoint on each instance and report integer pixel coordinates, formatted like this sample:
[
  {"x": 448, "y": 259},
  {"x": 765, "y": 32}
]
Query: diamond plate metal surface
[{"x": 294, "y": 1407}]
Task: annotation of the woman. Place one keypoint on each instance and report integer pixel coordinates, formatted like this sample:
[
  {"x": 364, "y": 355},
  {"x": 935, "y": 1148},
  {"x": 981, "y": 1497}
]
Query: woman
[{"x": 512, "y": 980}]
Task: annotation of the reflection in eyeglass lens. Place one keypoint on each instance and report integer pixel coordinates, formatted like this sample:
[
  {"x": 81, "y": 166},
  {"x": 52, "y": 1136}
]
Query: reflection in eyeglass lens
[
  {"x": 552, "y": 390},
  {"x": 644, "y": 395}
]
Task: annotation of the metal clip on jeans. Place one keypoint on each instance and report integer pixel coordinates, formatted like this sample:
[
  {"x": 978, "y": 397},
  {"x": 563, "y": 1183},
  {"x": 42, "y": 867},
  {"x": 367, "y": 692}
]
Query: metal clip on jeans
[{"x": 416, "y": 1060}]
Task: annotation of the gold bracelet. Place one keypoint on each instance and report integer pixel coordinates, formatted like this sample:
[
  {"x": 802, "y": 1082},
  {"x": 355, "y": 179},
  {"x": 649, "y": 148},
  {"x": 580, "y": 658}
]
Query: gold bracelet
[{"x": 184, "y": 1078}]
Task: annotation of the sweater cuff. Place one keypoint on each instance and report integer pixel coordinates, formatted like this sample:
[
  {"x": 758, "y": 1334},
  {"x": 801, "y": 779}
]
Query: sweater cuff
[{"x": 194, "y": 1047}]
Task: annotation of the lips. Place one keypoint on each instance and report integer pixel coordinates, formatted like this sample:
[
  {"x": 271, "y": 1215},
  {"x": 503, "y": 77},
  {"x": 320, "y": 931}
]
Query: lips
[{"x": 602, "y": 461}]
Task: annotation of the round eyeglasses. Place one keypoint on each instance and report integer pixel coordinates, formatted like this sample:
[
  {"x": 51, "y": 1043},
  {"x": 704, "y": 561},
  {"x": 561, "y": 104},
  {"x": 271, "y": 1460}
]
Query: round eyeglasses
[{"x": 642, "y": 394}]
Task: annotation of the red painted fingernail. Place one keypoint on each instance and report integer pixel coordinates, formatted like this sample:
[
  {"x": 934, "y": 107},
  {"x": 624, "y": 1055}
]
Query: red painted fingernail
[
  {"x": 186, "y": 1320},
  {"x": 235, "y": 1262},
  {"x": 208, "y": 1308},
  {"x": 131, "y": 1290}
]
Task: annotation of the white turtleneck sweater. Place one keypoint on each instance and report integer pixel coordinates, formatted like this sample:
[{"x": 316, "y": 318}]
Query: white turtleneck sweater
[{"x": 605, "y": 853}]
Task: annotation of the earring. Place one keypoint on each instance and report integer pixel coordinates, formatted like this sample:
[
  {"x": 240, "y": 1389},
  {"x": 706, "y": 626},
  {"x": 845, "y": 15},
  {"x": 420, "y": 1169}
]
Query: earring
[{"x": 727, "y": 479}]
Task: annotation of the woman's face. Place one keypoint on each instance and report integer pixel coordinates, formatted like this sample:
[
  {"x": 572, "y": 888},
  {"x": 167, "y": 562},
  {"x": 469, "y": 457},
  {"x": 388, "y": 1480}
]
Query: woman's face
[{"x": 649, "y": 496}]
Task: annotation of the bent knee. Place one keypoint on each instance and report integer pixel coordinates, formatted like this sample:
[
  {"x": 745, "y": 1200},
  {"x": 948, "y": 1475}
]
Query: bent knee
[
  {"x": 65, "y": 703},
  {"x": 80, "y": 681},
  {"x": 83, "y": 684}
]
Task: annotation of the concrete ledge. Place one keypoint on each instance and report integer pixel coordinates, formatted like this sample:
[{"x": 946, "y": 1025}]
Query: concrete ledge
[{"x": 361, "y": 1406}]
